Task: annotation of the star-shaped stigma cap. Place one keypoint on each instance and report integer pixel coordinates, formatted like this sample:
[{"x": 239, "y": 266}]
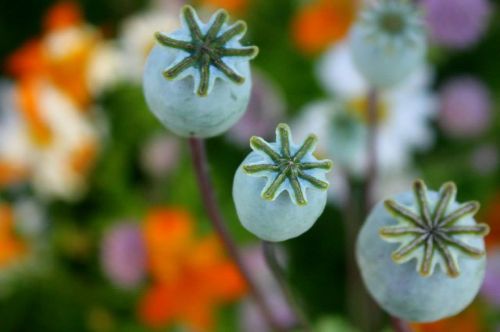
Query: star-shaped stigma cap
[
  {"x": 434, "y": 230},
  {"x": 288, "y": 167},
  {"x": 207, "y": 51}
]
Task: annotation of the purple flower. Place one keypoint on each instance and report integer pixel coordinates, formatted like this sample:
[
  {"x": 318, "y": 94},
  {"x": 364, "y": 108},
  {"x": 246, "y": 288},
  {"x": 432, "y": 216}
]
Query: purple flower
[
  {"x": 123, "y": 255},
  {"x": 251, "y": 319},
  {"x": 456, "y": 23},
  {"x": 160, "y": 155},
  {"x": 491, "y": 285},
  {"x": 265, "y": 110},
  {"x": 465, "y": 107}
]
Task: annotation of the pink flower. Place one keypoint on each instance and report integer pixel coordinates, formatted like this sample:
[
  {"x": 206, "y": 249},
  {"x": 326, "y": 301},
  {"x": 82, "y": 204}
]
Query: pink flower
[
  {"x": 465, "y": 107},
  {"x": 456, "y": 23},
  {"x": 265, "y": 110},
  {"x": 123, "y": 255},
  {"x": 160, "y": 155},
  {"x": 491, "y": 285},
  {"x": 251, "y": 319}
]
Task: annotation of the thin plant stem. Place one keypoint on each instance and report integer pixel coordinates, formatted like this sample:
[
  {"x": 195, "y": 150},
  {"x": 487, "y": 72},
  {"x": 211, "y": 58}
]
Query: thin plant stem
[
  {"x": 361, "y": 309},
  {"x": 372, "y": 174},
  {"x": 207, "y": 192},
  {"x": 269, "y": 250},
  {"x": 372, "y": 153}
]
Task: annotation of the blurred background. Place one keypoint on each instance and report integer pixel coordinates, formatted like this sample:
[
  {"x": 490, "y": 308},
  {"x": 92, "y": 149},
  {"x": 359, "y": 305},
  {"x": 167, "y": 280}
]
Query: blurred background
[{"x": 101, "y": 223}]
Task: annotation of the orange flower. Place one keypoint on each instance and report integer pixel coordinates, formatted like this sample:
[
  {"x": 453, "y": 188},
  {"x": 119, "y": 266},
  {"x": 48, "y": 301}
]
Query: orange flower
[
  {"x": 83, "y": 156},
  {"x": 30, "y": 65},
  {"x": 11, "y": 174},
  {"x": 56, "y": 76},
  {"x": 62, "y": 55},
  {"x": 29, "y": 60},
  {"x": 191, "y": 276},
  {"x": 28, "y": 96},
  {"x": 467, "y": 321},
  {"x": 321, "y": 23},
  {"x": 233, "y": 6},
  {"x": 63, "y": 15},
  {"x": 11, "y": 247}
]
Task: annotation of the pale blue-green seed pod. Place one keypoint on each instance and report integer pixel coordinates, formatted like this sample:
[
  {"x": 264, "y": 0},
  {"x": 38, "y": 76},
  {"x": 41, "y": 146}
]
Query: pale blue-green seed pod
[
  {"x": 388, "y": 42},
  {"x": 197, "y": 80},
  {"x": 280, "y": 189},
  {"x": 422, "y": 254}
]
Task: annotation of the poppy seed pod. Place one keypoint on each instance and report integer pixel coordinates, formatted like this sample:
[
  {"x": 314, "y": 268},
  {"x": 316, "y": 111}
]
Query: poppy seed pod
[
  {"x": 422, "y": 254},
  {"x": 265, "y": 177},
  {"x": 197, "y": 79},
  {"x": 388, "y": 42}
]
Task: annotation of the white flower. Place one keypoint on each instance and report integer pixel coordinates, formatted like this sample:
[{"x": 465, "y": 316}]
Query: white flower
[
  {"x": 398, "y": 181},
  {"x": 56, "y": 166},
  {"x": 105, "y": 68},
  {"x": 341, "y": 121},
  {"x": 57, "y": 172},
  {"x": 137, "y": 37},
  {"x": 81, "y": 49},
  {"x": 31, "y": 218},
  {"x": 63, "y": 43},
  {"x": 15, "y": 145}
]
